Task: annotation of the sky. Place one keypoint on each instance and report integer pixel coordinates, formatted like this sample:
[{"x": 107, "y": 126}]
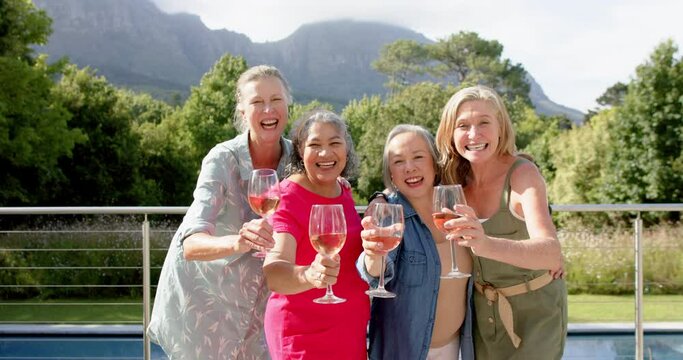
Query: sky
[{"x": 574, "y": 49}]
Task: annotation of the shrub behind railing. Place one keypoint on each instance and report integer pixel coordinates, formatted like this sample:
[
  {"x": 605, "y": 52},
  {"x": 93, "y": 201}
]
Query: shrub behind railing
[
  {"x": 603, "y": 262},
  {"x": 93, "y": 257},
  {"x": 101, "y": 257}
]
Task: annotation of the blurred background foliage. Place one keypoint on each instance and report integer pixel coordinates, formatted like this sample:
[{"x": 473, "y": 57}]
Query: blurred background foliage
[{"x": 70, "y": 138}]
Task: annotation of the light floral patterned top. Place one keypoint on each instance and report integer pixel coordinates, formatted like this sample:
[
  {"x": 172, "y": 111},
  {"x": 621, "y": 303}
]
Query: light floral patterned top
[{"x": 214, "y": 309}]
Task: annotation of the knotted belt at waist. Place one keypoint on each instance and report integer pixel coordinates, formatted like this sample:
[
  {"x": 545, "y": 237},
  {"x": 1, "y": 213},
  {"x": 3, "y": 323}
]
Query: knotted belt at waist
[{"x": 504, "y": 307}]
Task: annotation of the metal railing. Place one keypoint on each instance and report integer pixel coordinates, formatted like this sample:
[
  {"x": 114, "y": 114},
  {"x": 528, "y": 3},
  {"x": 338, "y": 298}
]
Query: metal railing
[{"x": 636, "y": 209}]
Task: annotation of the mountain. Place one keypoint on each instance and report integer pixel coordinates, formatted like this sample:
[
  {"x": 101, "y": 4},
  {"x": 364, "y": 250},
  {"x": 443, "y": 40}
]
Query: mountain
[{"x": 135, "y": 45}]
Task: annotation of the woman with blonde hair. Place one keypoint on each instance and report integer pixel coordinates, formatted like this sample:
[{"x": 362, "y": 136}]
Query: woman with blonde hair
[
  {"x": 209, "y": 276},
  {"x": 520, "y": 308}
]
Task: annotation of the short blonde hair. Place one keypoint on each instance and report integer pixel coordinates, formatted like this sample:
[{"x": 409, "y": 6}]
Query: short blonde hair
[{"x": 254, "y": 73}]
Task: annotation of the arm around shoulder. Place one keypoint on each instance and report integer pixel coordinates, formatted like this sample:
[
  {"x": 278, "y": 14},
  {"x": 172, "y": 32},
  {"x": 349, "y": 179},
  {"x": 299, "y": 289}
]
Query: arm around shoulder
[{"x": 529, "y": 199}]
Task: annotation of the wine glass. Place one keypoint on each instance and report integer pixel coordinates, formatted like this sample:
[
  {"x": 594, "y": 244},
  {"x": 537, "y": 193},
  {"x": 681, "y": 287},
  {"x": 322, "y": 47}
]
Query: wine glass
[
  {"x": 388, "y": 218},
  {"x": 327, "y": 231},
  {"x": 264, "y": 195},
  {"x": 445, "y": 198}
]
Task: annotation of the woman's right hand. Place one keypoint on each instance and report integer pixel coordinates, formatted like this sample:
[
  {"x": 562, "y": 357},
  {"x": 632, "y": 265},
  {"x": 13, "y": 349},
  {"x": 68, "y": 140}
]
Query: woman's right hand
[
  {"x": 323, "y": 271},
  {"x": 256, "y": 234}
]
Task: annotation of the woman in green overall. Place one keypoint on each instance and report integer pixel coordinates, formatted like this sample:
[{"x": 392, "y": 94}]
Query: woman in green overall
[{"x": 520, "y": 306}]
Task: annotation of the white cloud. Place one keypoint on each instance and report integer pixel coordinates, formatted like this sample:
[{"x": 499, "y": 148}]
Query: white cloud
[{"x": 574, "y": 49}]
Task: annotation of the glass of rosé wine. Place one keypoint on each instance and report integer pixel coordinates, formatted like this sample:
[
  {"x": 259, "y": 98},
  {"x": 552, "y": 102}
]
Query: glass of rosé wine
[
  {"x": 388, "y": 219},
  {"x": 327, "y": 231},
  {"x": 444, "y": 201},
  {"x": 264, "y": 195}
]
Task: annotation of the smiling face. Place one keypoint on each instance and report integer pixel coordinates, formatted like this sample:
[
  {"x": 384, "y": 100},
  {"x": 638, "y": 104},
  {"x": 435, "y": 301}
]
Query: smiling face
[
  {"x": 263, "y": 106},
  {"x": 324, "y": 153},
  {"x": 477, "y": 130},
  {"x": 411, "y": 165}
]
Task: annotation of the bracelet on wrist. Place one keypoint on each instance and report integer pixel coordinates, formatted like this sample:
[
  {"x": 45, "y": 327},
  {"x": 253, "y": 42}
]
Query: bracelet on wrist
[{"x": 377, "y": 194}]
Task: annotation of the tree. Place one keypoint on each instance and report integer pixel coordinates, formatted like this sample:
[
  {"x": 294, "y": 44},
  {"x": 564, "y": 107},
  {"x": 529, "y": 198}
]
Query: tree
[
  {"x": 104, "y": 170},
  {"x": 579, "y": 157},
  {"x": 209, "y": 112},
  {"x": 297, "y": 110},
  {"x": 359, "y": 113},
  {"x": 34, "y": 131},
  {"x": 472, "y": 59},
  {"x": 401, "y": 61},
  {"x": 534, "y": 134},
  {"x": 167, "y": 173},
  {"x": 459, "y": 59},
  {"x": 33, "y": 128},
  {"x": 419, "y": 104},
  {"x": 645, "y": 164},
  {"x": 614, "y": 95},
  {"x": 22, "y": 25},
  {"x": 167, "y": 169}
]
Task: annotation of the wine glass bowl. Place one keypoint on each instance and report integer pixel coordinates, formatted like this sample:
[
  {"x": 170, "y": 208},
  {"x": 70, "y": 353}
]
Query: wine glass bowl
[
  {"x": 443, "y": 209},
  {"x": 327, "y": 232},
  {"x": 440, "y": 219},
  {"x": 388, "y": 220},
  {"x": 328, "y": 244},
  {"x": 263, "y": 195}
]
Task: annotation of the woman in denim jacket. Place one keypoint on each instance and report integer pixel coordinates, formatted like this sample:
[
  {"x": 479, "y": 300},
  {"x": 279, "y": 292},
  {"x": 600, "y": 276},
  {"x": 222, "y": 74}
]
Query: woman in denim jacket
[{"x": 429, "y": 318}]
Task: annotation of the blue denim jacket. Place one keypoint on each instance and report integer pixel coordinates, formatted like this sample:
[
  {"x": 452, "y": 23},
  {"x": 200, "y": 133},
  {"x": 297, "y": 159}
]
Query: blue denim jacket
[{"x": 401, "y": 328}]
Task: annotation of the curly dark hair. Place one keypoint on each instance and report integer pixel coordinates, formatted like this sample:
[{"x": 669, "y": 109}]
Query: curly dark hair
[{"x": 300, "y": 131}]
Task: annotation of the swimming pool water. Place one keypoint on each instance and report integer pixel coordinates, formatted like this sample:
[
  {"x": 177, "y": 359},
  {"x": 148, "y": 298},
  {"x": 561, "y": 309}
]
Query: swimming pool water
[
  {"x": 622, "y": 347},
  {"x": 587, "y": 346},
  {"x": 72, "y": 347}
]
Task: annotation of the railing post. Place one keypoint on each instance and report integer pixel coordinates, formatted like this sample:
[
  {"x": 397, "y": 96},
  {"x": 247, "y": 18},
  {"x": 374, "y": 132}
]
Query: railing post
[
  {"x": 638, "y": 224},
  {"x": 146, "y": 288}
]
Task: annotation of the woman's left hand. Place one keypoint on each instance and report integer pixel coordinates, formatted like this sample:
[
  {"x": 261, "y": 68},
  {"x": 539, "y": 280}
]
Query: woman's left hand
[{"x": 256, "y": 234}]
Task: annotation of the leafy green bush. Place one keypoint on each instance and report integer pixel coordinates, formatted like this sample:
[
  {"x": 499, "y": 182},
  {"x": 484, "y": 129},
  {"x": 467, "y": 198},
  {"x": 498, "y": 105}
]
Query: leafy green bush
[
  {"x": 604, "y": 262},
  {"x": 597, "y": 260},
  {"x": 94, "y": 257}
]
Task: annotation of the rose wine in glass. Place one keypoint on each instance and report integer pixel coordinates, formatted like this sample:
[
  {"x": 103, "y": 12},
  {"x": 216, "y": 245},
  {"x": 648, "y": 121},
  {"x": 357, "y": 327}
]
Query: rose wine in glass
[
  {"x": 327, "y": 231},
  {"x": 263, "y": 195},
  {"x": 444, "y": 200},
  {"x": 388, "y": 218}
]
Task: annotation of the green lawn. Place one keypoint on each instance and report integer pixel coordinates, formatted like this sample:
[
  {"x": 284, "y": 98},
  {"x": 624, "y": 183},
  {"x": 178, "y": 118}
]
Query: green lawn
[
  {"x": 123, "y": 311},
  {"x": 582, "y": 308},
  {"x": 621, "y": 308}
]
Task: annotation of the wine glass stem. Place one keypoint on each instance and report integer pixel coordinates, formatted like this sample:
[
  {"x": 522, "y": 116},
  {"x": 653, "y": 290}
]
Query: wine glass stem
[
  {"x": 381, "y": 274},
  {"x": 454, "y": 266},
  {"x": 329, "y": 292}
]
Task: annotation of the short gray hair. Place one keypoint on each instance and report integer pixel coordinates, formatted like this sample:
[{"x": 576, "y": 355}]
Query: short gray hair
[
  {"x": 428, "y": 138},
  {"x": 300, "y": 131}
]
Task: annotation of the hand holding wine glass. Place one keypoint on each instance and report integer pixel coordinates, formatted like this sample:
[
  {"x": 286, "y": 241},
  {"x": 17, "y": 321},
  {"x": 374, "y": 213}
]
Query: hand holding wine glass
[
  {"x": 387, "y": 220},
  {"x": 264, "y": 195},
  {"x": 444, "y": 200},
  {"x": 327, "y": 231}
]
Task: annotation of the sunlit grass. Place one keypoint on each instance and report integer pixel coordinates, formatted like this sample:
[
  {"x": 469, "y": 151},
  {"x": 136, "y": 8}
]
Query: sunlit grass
[
  {"x": 123, "y": 311},
  {"x": 582, "y": 308},
  {"x": 621, "y": 308}
]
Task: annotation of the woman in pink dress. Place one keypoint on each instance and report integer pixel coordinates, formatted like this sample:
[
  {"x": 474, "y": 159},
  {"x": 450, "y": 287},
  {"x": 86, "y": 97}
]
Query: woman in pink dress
[{"x": 295, "y": 326}]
